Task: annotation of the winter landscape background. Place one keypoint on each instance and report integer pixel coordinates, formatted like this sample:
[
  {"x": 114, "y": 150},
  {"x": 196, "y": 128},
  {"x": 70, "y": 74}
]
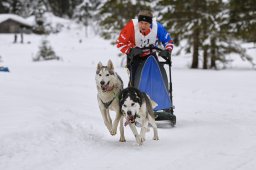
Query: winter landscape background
[{"x": 50, "y": 120}]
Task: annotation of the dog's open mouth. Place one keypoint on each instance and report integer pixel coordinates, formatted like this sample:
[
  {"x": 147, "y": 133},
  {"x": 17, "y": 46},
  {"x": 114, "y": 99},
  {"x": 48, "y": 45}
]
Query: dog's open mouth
[
  {"x": 129, "y": 119},
  {"x": 106, "y": 87}
]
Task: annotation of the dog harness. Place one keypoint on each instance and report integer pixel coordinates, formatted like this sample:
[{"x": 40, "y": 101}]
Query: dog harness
[{"x": 106, "y": 105}]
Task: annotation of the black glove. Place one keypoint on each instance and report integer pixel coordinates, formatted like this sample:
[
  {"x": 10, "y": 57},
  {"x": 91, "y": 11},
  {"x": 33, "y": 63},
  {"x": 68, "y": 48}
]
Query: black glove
[
  {"x": 165, "y": 53},
  {"x": 134, "y": 52}
]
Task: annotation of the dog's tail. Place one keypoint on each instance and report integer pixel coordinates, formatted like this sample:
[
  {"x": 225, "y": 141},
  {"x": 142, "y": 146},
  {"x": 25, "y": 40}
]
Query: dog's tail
[{"x": 153, "y": 103}]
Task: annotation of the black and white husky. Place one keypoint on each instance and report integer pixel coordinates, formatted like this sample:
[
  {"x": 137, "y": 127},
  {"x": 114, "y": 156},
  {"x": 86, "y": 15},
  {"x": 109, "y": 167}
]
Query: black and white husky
[
  {"x": 109, "y": 86},
  {"x": 137, "y": 106}
]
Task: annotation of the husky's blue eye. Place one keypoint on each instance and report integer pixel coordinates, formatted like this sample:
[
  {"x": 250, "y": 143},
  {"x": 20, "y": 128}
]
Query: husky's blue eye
[{"x": 133, "y": 104}]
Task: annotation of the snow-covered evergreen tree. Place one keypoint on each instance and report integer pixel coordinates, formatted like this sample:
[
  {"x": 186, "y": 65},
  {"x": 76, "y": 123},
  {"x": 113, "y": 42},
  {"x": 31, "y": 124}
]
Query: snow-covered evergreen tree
[
  {"x": 39, "y": 18},
  {"x": 86, "y": 13},
  {"x": 11, "y": 6},
  {"x": 116, "y": 13},
  {"x": 16, "y": 7},
  {"x": 243, "y": 19},
  {"x": 204, "y": 25},
  {"x": 28, "y": 7},
  {"x": 45, "y": 52},
  {"x": 4, "y": 6}
]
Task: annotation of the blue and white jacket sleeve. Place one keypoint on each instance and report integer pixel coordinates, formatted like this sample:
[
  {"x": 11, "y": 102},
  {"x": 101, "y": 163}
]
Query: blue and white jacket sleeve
[{"x": 164, "y": 37}]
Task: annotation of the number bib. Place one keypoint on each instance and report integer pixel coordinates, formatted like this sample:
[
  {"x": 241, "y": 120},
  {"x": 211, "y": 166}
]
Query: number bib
[{"x": 145, "y": 41}]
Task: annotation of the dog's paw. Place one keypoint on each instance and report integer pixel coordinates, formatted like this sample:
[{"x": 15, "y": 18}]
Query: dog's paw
[
  {"x": 139, "y": 140},
  {"x": 122, "y": 140},
  {"x": 113, "y": 132},
  {"x": 156, "y": 138}
]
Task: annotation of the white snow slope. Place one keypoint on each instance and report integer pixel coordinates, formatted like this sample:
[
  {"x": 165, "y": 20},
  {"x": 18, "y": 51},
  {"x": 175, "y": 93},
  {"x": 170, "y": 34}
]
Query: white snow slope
[{"x": 50, "y": 120}]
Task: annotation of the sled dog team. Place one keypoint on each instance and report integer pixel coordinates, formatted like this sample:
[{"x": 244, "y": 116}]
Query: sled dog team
[{"x": 129, "y": 104}]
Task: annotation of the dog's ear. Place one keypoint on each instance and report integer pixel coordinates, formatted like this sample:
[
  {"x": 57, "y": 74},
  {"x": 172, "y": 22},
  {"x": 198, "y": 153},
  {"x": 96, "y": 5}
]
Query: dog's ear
[
  {"x": 99, "y": 66},
  {"x": 110, "y": 67},
  {"x": 138, "y": 95}
]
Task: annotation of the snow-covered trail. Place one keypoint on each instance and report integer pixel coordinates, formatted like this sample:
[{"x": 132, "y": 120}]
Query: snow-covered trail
[{"x": 51, "y": 121}]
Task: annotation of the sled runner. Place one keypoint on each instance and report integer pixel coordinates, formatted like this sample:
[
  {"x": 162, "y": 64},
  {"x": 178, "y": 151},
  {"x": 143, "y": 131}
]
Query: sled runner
[{"x": 151, "y": 78}]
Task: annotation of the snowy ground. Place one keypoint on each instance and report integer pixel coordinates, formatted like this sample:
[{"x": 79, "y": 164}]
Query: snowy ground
[{"x": 49, "y": 118}]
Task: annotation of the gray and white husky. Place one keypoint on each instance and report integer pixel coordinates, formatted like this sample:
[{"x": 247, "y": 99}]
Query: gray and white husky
[
  {"x": 137, "y": 106},
  {"x": 109, "y": 86}
]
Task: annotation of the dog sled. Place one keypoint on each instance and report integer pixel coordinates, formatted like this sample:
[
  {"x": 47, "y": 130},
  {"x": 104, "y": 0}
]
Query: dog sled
[{"x": 151, "y": 78}]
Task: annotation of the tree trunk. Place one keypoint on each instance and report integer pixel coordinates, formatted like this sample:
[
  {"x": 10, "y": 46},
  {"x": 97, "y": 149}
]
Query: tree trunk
[
  {"x": 205, "y": 58},
  {"x": 195, "y": 48},
  {"x": 86, "y": 31},
  {"x": 213, "y": 53}
]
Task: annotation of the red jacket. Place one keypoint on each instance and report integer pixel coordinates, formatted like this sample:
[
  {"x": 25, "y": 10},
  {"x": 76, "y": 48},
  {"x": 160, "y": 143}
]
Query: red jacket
[{"x": 126, "y": 39}]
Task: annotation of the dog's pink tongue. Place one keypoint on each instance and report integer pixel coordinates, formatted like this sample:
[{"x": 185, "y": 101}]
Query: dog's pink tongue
[
  {"x": 107, "y": 87},
  {"x": 126, "y": 122}
]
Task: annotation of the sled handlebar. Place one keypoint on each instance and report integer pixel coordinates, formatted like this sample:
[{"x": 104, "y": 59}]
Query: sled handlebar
[
  {"x": 167, "y": 59},
  {"x": 152, "y": 48}
]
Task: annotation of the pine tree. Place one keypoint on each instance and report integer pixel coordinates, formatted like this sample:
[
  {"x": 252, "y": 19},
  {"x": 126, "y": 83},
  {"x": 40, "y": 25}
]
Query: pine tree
[
  {"x": 220, "y": 40},
  {"x": 26, "y": 9},
  {"x": 184, "y": 19},
  {"x": 64, "y": 8},
  {"x": 86, "y": 13},
  {"x": 243, "y": 19},
  {"x": 45, "y": 52},
  {"x": 4, "y": 6},
  {"x": 116, "y": 13},
  {"x": 16, "y": 7},
  {"x": 11, "y": 6},
  {"x": 39, "y": 18},
  {"x": 205, "y": 27},
  {"x": 243, "y": 27},
  {"x": 214, "y": 33},
  {"x": 57, "y": 7}
]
